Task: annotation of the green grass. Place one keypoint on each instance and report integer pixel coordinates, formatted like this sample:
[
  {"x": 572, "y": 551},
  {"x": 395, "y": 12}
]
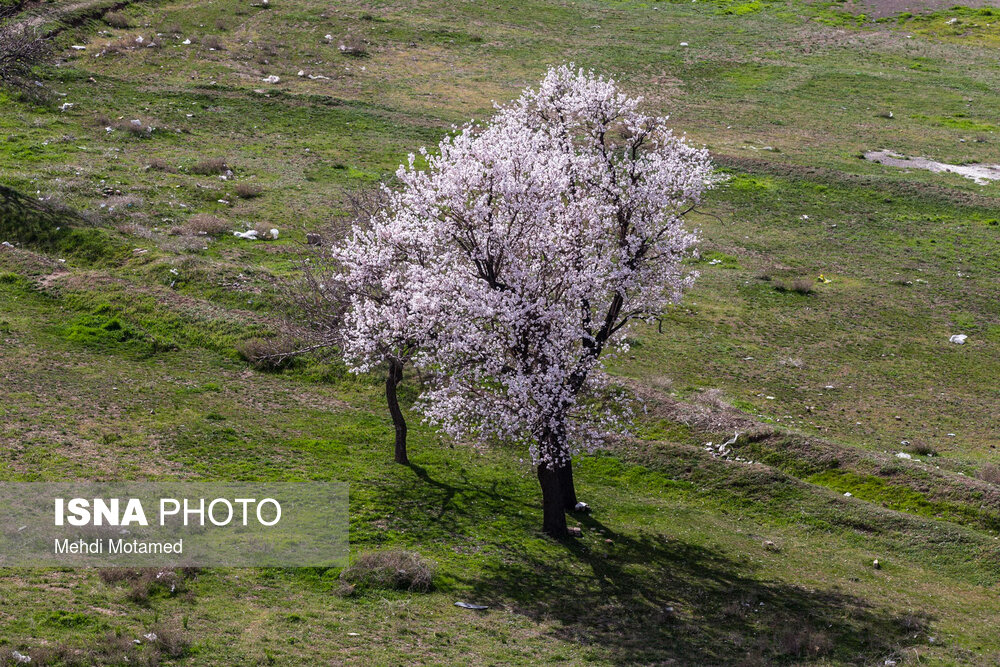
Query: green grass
[{"x": 119, "y": 339}]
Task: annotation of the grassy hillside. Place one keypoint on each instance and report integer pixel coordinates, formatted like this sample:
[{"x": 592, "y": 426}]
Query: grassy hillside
[{"x": 121, "y": 324}]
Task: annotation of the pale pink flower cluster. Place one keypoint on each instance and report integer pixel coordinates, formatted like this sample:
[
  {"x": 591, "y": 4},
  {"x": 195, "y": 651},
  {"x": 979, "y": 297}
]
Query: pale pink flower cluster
[{"x": 515, "y": 260}]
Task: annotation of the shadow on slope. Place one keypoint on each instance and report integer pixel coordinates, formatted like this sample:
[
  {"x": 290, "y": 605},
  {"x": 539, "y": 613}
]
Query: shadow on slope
[{"x": 655, "y": 600}]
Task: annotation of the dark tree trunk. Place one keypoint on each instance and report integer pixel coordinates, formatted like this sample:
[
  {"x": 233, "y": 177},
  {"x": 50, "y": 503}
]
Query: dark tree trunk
[
  {"x": 553, "y": 502},
  {"x": 393, "y": 378},
  {"x": 565, "y": 473}
]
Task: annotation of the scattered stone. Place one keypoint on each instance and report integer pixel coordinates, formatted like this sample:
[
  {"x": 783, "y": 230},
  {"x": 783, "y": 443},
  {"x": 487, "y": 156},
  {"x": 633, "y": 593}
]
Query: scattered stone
[
  {"x": 20, "y": 657},
  {"x": 271, "y": 79},
  {"x": 771, "y": 546},
  {"x": 469, "y": 605},
  {"x": 582, "y": 507},
  {"x": 77, "y": 47},
  {"x": 151, "y": 636},
  {"x": 876, "y": 565},
  {"x": 848, "y": 494},
  {"x": 958, "y": 339},
  {"x": 903, "y": 455},
  {"x": 574, "y": 531}
]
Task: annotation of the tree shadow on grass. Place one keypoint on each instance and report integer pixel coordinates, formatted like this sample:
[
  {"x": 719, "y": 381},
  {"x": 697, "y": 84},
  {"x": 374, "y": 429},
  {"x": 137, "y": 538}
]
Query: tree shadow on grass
[
  {"x": 24, "y": 219},
  {"x": 646, "y": 598},
  {"x": 655, "y": 600}
]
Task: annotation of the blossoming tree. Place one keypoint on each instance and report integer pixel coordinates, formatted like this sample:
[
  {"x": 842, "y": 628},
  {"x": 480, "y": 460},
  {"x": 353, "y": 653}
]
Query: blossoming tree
[{"x": 520, "y": 255}]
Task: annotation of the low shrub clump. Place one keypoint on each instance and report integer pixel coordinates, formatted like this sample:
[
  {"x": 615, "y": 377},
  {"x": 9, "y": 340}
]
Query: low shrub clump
[
  {"x": 248, "y": 190},
  {"x": 118, "y": 20},
  {"x": 216, "y": 165},
  {"x": 392, "y": 569},
  {"x": 802, "y": 286},
  {"x": 202, "y": 224},
  {"x": 268, "y": 354},
  {"x": 159, "y": 164}
]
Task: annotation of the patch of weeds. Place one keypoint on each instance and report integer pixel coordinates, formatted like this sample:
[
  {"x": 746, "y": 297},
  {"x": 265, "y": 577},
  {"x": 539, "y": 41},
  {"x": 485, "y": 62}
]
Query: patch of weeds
[
  {"x": 95, "y": 247},
  {"x": 989, "y": 473},
  {"x": 903, "y": 499},
  {"x": 392, "y": 569},
  {"x": 112, "y": 334},
  {"x": 210, "y": 166},
  {"x": 269, "y": 354},
  {"x": 118, "y": 20},
  {"x": 248, "y": 190},
  {"x": 143, "y": 584},
  {"x": 802, "y": 286}
]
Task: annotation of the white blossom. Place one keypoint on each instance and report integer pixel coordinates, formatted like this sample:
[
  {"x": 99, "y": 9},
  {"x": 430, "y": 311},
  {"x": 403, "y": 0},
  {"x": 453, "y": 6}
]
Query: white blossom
[{"x": 511, "y": 265}]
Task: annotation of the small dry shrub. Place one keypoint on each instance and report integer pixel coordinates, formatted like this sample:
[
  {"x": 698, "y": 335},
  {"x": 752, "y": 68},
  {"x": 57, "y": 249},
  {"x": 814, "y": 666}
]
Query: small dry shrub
[
  {"x": 248, "y": 190},
  {"x": 802, "y": 286},
  {"x": 135, "y": 229},
  {"x": 802, "y": 642},
  {"x": 170, "y": 641},
  {"x": 922, "y": 449},
  {"x": 159, "y": 164},
  {"x": 183, "y": 244},
  {"x": 393, "y": 569},
  {"x": 135, "y": 127},
  {"x": 206, "y": 224},
  {"x": 144, "y": 582},
  {"x": 264, "y": 231},
  {"x": 131, "y": 43},
  {"x": 989, "y": 473},
  {"x": 212, "y": 42},
  {"x": 215, "y": 165},
  {"x": 268, "y": 354},
  {"x": 118, "y": 20},
  {"x": 353, "y": 46}
]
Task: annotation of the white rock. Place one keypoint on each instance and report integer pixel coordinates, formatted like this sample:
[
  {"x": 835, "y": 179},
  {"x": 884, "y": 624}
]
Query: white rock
[
  {"x": 582, "y": 507},
  {"x": 328, "y": 38},
  {"x": 20, "y": 657},
  {"x": 77, "y": 47},
  {"x": 958, "y": 339},
  {"x": 250, "y": 234},
  {"x": 903, "y": 455},
  {"x": 274, "y": 234},
  {"x": 848, "y": 494},
  {"x": 302, "y": 72},
  {"x": 140, "y": 39},
  {"x": 186, "y": 41},
  {"x": 684, "y": 43},
  {"x": 66, "y": 105},
  {"x": 271, "y": 79},
  {"x": 151, "y": 636}
]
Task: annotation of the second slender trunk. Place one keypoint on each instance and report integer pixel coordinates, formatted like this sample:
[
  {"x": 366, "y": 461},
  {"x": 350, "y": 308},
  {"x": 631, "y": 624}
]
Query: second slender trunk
[{"x": 392, "y": 380}]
